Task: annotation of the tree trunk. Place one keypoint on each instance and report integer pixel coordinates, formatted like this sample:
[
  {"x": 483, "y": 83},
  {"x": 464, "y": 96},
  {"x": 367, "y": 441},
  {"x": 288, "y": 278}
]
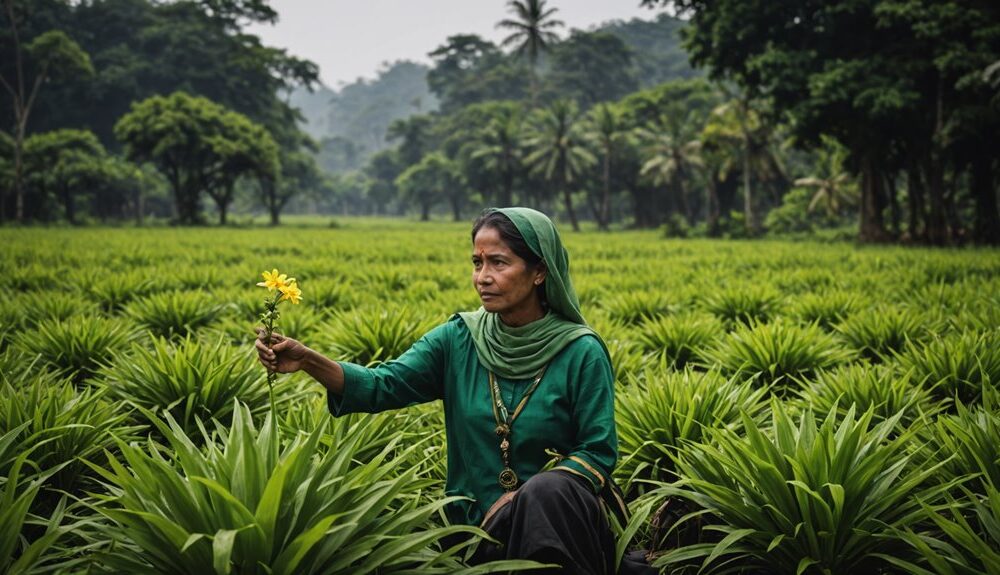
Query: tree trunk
[
  {"x": 69, "y": 205},
  {"x": 871, "y": 228},
  {"x": 275, "y": 215},
  {"x": 937, "y": 229},
  {"x": 568, "y": 200},
  {"x": 890, "y": 187},
  {"x": 986, "y": 226},
  {"x": 748, "y": 214},
  {"x": 19, "y": 171},
  {"x": 915, "y": 191},
  {"x": 425, "y": 211},
  {"x": 713, "y": 204},
  {"x": 604, "y": 215},
  {"x": 456, "y": 209}
]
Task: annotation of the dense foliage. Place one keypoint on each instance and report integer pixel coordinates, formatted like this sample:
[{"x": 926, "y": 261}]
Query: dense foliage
[{"x": 842, "y": 414}]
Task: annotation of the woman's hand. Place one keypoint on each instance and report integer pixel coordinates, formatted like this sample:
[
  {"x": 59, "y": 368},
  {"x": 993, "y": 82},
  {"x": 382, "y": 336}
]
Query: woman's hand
[{"x": 285, "y": 355}]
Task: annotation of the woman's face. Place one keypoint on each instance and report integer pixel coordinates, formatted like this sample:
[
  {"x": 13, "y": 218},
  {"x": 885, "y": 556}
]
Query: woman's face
[{"x": 505, "y": 282}]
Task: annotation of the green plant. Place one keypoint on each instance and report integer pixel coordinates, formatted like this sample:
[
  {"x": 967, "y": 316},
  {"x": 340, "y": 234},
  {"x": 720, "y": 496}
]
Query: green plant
[
  {"x": 876, "y": 333},
  {"x": 743, "y": 304},
  {"x": 77, "y": 346},
  {"x": 62, "y": 427},
  {"x": 112, "y": 292},
  {"x": 964, "y": 545},
  {"x": 957, "y": 366},
  {"x": 801, "y": 498},
  {"x": 965, "y": 444},
  {"x": 678, "y": 339},
  {"x": 367, "y": 336},
  {"x": 174, "y": 314},
  {"x": 825, "y": 309},
  {"x": 777, "y": 351},
  {"x": 661, "y": 411},
  {"x": 634, "y": 307},
  {"x": 247, "y": 503},
  {"x": 37, "y": 307},
  {"x": 190, "y": 379},
  {"x": 883, "y": 389}
]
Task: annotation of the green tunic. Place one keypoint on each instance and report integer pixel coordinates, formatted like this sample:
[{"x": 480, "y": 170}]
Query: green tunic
[{"x": 571, "y": 411}]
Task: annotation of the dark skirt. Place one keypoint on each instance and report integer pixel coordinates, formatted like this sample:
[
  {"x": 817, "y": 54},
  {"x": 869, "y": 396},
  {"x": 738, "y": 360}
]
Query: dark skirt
[{"x": 555, "y": 518}]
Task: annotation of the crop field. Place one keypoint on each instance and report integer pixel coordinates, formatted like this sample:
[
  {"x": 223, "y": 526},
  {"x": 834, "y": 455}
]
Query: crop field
[{"x": 788, "y": 407}]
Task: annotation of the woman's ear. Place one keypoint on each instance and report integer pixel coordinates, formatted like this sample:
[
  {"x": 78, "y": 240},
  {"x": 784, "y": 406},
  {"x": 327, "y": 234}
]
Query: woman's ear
[{"x": 541, "y": 271}]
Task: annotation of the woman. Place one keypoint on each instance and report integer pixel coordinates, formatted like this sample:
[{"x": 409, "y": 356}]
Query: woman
[{"x": 523, "y": 381}]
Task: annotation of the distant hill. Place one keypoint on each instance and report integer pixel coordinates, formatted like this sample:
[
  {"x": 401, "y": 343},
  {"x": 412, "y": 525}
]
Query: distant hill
[
  {"x": 362, "y": 111},
  {"x": 656, "y": 48}
]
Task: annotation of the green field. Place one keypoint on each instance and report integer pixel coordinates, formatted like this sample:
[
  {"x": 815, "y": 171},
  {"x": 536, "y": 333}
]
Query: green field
[{"x": 815, "y": 408}]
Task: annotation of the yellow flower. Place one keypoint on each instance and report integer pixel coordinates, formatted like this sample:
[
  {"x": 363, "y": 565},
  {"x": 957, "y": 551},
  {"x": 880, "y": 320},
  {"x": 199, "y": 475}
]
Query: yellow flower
[
  {"x": 291, "y": 292},
  {"x": 273, "y": 280}
]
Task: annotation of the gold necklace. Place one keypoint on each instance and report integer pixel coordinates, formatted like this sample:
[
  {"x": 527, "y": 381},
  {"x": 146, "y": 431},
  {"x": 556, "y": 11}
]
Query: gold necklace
[{"x": 505, "y": 422}]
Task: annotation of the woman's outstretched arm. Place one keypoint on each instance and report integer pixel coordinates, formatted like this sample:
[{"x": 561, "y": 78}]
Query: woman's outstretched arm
[{"x": 286, "y": 355}]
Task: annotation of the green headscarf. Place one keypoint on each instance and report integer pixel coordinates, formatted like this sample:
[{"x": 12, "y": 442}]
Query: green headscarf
[{"x": 521, "y": 352}]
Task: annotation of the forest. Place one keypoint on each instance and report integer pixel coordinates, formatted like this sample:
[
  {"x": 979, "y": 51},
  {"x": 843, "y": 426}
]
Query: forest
[{"x": 873, "y": 119}]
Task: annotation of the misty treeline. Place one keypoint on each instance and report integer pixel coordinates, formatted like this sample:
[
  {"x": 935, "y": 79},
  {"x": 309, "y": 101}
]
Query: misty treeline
[{"x": 876, "y": 117}]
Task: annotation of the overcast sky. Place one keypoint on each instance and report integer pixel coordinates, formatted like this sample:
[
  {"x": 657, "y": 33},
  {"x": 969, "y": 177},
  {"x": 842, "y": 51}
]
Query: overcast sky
[{"x": 349, "y": 39}]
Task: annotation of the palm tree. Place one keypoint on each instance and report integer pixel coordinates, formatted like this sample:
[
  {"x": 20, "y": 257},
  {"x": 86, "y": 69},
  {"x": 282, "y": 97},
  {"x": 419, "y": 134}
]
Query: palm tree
[
  {"x": 557, "y": 149},
  {"x": 737, "y": 124},
  {"x": 531, "y": 32},
  {"x": 671, "y": 156},
  {"x": 499, "y": 150},
  {"x": 606, "y": 130},
  {"x": 834, "y": 186}
]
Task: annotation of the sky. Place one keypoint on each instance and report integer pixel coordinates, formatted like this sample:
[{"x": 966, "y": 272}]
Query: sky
[{"x": 349, "y": 39}]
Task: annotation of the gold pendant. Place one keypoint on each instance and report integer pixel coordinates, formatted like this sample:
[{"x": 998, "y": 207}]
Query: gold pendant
[{"x": 508, "y": 479}]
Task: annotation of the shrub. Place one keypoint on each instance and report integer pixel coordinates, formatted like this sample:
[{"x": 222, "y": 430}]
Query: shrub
[
  {"x": 882, "y": 389},
  {"x": 190, "y": 379},
  {"x": 37, "y": 307},
  {"x": 965, "y": 444},
  {"x": 805, "y": 498},
  {"x": 174, "y": 314},
  {"x": 957, "y": 366},
  {"x": 367, "y": 336},
  {"x": 62, "y": 427},
  {"x": 660, "y": 412},
  {"x": 679, "y": 340},
  {"x": 825, "y": 309},
  {"x": 77, "y": 346},
  {"x": 249, "y": 504},
  {"x": 777, "y": 351},
  {"x": 965, "y": 544},
  {"x": 112, "y": 292},
  {"x": 876, "y": 333},
  {"x": 634, "y": 307},
  {"x": 743, "y": 304}
]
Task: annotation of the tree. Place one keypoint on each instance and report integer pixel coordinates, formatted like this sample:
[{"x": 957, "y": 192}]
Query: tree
[
  {"x": 469, "y": 70},
  {"x": 239, "y": 148},
  {"x": 382, "y": 170},
  {"x": 558, "y": 150},
  {"x": 499, "y": 150},
  {"x": 833, "y": 186},
  {"x": 50, "y": 54},
  {"x": 433, "y": 179},
  {"x": 531, "y": 33},
  {"x": 671, "y": 156},
  {"x": 607, "y": 132},
  {"x": 188, "y": 139},
  {"x": 65, "y": 166},
  {"x": 298, "y": 173},
  {"x": 886, "y": 78},
  {"x": 592, "y": 67}
]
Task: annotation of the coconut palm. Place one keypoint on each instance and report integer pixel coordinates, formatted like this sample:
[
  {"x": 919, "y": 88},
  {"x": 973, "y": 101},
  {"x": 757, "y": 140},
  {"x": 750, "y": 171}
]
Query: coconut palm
[
  {"x": 834, "y": 187},
  {"x": 606, "y": 131},
  {"x": 499, "y": 150},
  {"x": 671, "y": 156},
  {"x": 558, "y": 150},
  {"x": 741, "y": 129},
  {"x": 531, "y": 32}
]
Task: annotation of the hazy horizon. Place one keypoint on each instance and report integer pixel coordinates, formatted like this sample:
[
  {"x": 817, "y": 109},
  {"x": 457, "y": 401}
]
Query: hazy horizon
[{"x": 352, "y": 40}]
